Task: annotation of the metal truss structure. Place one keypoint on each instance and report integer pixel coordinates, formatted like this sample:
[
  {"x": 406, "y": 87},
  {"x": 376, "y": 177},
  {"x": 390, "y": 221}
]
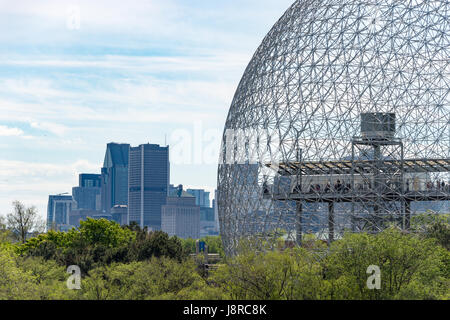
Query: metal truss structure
[{"x": 341, "y": 122}]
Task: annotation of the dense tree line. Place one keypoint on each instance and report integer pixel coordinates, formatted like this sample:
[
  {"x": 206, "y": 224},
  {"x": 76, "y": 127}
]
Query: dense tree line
[
  {"x": 101, "y": 242},
  {"x": 130, "y": 263}
]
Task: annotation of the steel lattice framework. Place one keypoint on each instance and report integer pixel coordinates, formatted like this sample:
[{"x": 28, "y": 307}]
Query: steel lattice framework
[{"x": 295, "y": 155}]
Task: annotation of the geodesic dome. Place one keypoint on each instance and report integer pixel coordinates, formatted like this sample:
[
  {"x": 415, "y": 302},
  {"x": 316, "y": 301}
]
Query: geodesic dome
[{"x": 340, "y": 122}]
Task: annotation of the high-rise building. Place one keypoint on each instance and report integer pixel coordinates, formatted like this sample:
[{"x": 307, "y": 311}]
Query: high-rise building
[
  {"x": 119, "y": 214},
  {"x": 90, "y": 180},
  {"x": 207, "y": 222},
  {"x": 78, "y": 215},
  {"x": 114, "y": 184},
  {"x": 173, "y": 188},
  {"x": 181, "y": 216},
  {"x": 149, "y": 176},
  {"x": 216, "y": 212},
  {"x": 58, "y": 212},
  {"x": 86, "y": 194},
  {"x": 201, "y": 197}
]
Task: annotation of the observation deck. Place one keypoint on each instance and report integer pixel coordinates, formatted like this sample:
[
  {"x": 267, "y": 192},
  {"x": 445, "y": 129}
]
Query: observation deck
[{"x": 374, "y": 183}]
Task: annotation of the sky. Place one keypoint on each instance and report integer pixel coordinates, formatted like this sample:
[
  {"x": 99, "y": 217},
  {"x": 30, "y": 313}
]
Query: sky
[{"x": 76, "y": 75}]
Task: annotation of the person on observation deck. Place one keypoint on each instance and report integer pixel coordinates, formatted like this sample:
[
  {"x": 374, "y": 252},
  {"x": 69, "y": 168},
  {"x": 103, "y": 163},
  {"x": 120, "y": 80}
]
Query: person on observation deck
[
  {"x": 265, "y": 188},
  {"x": 338, "y": 186}
]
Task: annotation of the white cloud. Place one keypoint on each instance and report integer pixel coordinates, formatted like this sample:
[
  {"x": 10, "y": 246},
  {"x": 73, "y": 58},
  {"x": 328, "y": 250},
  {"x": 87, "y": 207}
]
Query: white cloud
[
  {"x": 10, "y": 132},
  {"x": 32, "y": 182},
  {"x": 186, "y": 21},
  {"x": 54, "y": 128},
  {"x": 207, "y": 62},
  {"x": 140, "y": 97},
  {"x": 39, "y": 88},
  {"x": 21, "y": 169},
  {"x": 122, "y": 110}
]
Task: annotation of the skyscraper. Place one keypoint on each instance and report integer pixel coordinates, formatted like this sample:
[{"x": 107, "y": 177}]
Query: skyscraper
[
  {"x": 86, "y": 194},
  {"x": 207, "y": 222},
  {"x": 90, "y": 180},
  {"x": 201, "y": 197},
  {"x": 119, "y": 214},
  {"x": 149, "y": 176},
  {"x": 114, "y": 184},
  {"x": 181, "y": 216},
  {"x": 58, "y": 211},
  {"x": 216, "y": 212}
]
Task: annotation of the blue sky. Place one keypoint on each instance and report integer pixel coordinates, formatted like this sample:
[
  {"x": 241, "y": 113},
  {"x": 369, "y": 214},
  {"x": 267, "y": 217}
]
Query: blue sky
[{"x": 123, "y": 71}]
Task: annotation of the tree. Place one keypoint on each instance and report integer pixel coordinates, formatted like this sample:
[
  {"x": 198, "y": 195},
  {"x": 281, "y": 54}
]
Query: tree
[
  {"x": 293, "y": 274},
  {"x": 49, "y": 278},
  {"x": 2, "y": 223},
  {"x": 411, "y": 268},
  {"x": 24, "y": 220},
  {"x": 101, "y": 242},
  {"x": 156, "y": 244},
  {"x": 156, "y": 278},
  {"x": 433, "y": 225},
  {"x": 14, "y": 282},
  {"x": 214, "y": 244},
  {"x": 104, "y": 232},
  {"x": 4, "y": 232}
]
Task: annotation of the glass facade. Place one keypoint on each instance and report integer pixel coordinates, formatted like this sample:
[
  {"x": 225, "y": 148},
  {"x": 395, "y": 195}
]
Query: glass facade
[
  {"x": 148, "y": 184},
  {"x": 201, "y": 197},
  {"x": 114, "y": 177},
  {"x": 86, "y": 193},
  {"x": 58, "y": 211}
]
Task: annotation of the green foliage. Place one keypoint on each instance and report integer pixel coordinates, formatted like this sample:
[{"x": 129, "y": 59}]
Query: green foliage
[
  {"x": 31, "y": 278},
  {"x": 103, "y": 232},
  {"x": 157, "y": 278},
  {"x": 101, "y": 242},
  {"x": 155, "y": 244},
  {"x": 5, "y": 234},
  {"x": 433, "y": 225},
  {"x": 92, "y": 232},
  {"x": 188, "y": 245},
  {"x": 14, "y": 283},
  {"x": 49, "y": 277},
  {"x": 214, "y": 244},
  {"x": 274, "y": 275},
  {"x": 130, "y": 263},
  {"x": 410, "y": 267}
]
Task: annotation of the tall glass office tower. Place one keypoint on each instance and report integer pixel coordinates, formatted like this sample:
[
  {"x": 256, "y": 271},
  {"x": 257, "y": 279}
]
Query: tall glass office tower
[
  {"x": 148, "y": 179},
  {"x": 115, "y": 176}
]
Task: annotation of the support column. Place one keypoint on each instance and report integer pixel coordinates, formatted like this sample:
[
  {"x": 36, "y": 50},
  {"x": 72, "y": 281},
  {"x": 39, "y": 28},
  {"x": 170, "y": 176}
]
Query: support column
[
  {"x": 330, "y": 222},
  {"x": 407, "y": 215},
  {"x": 298, "y": 222}
]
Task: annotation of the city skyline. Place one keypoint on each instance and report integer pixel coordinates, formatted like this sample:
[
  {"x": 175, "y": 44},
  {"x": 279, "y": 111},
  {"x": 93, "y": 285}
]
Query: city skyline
[
  {"x": 69, "y": 86},
  {"x": 133, "y": 187}
]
